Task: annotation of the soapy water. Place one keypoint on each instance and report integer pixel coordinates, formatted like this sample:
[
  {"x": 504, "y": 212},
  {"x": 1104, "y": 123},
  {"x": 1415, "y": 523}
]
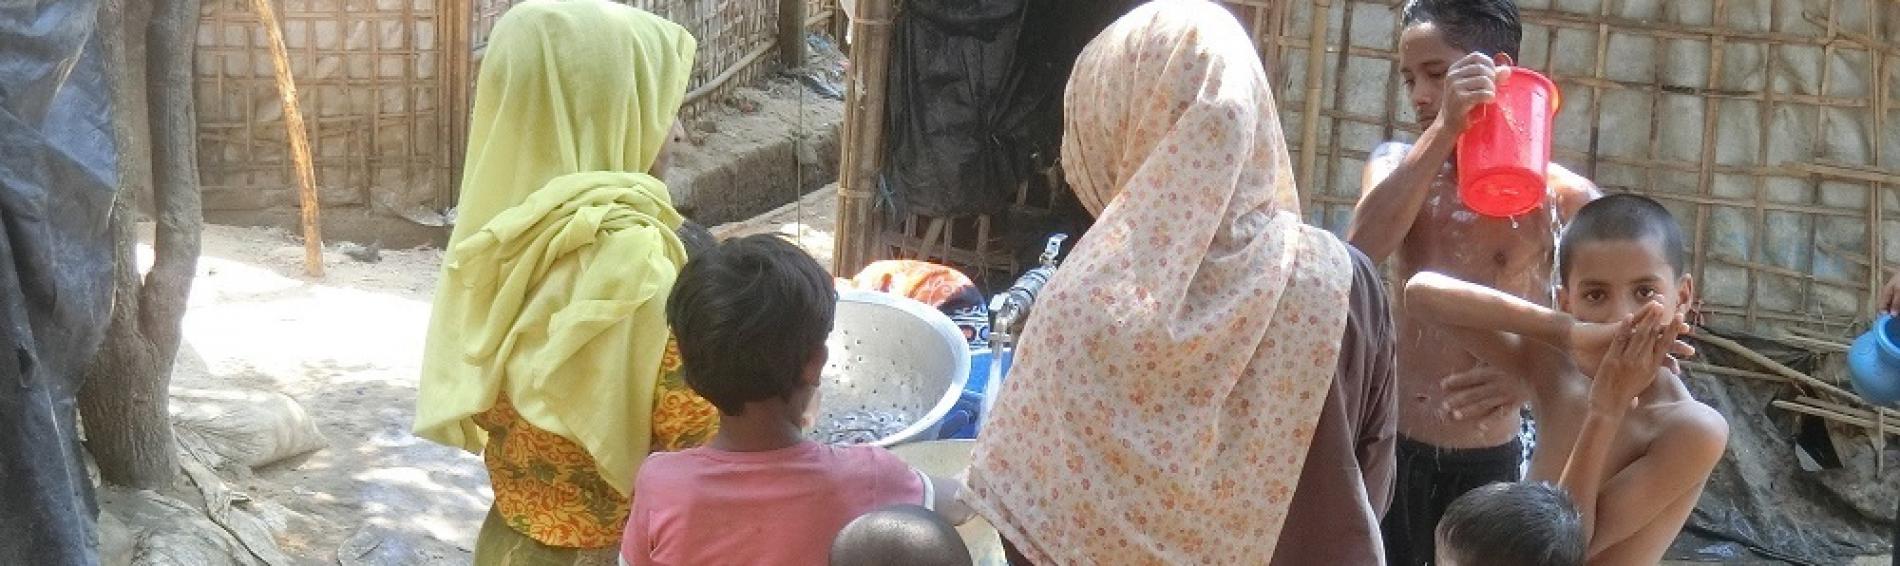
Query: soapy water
[{"x": 860, "y": 427}]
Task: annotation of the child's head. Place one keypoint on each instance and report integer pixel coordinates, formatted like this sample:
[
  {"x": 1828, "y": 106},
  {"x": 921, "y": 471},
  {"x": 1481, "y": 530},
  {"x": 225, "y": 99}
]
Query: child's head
[
  {"x": 900, "y": 534},
  {"x": 1440, "y": 32},
  {"x": 696, "y": 238},
  {"x": 751, "y": 316},
  {"x": 1620, "y": 252},
  {"x": 1518, "y": 523}
]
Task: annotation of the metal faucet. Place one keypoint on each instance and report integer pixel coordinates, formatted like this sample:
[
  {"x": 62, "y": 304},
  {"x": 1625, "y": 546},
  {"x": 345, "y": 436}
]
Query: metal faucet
[{"x": 1009, "y": 311}]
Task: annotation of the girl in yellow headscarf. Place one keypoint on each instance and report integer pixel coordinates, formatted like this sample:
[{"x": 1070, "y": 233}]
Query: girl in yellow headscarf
[{"x": 548, "y": 350}]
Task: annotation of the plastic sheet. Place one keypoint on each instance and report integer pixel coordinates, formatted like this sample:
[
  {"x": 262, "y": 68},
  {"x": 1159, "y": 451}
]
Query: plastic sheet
[
  {"x": 57, "y": 176},
  {"x": 976, "y": 97},
  {"x": 1759, "y": 494}
]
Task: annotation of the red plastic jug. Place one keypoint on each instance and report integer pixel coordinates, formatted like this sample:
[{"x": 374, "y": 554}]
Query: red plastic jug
[{"x": 1503, "y": 156}]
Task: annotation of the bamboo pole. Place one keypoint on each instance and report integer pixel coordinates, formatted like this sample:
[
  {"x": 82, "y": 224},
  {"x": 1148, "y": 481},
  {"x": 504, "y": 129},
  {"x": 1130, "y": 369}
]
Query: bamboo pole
[
  {"x": 1831, "y": 415},
  {"x": 791, "y": 32},
  {"x": 862, "y": 149},
  {"x": 1700, "y": 367},
  {"x": 1310, "y": 115},
  {"x": 1864, "y": 414},
  {"x": 1772, "y": 365},
  {"x": 299, "y": 140}
]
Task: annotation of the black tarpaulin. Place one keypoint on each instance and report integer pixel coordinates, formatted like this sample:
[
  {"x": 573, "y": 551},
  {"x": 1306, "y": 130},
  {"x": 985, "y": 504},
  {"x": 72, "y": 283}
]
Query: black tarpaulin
[
  {"x": 975, "y": 101},
  {"x": 57, "y": 175},
  {"x": 1759, "y": 495}
]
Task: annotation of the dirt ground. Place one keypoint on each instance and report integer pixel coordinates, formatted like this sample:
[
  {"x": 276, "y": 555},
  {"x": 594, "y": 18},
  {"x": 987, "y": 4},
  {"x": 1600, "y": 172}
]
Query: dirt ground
[
  {"x": 811, "y": 222},
  {"x": 347, "y": 347}
]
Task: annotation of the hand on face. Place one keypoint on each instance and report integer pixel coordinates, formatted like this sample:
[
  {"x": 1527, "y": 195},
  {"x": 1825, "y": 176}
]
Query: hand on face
[
  {"x": 1590, "y": 342},
  {"x": 1640, "y": 347},
  {"x": 1469, "y": 83}
]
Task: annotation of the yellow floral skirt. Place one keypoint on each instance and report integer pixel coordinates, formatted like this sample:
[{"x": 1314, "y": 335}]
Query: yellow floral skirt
[{"x": 547, "y": 487}]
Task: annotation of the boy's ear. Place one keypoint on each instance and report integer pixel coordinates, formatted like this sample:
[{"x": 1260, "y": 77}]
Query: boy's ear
[
  {"x": 1563, "y": 298},
  {"x": 1504, "y": 60},
  {"x": 815, "y": 367},
  {"x": 1685, "y": 294}
]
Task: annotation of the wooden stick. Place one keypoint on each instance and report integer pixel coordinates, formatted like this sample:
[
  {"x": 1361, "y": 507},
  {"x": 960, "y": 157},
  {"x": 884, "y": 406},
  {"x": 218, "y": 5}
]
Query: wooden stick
[
  {"x": 1844, "y": 409},
  {"x": 1321, "y": 11},
  {"x": 299, "y": 140},
  {"x": 862, "y": 138},
  {"x": 1731, "y": 372},
  {"x": 1823, "y": 346},
  {"x": 1830, "y": 415},
  {"x": 1772, "y": 365},
  {"x": 1819, "y": 335},
  {"x": 791, "y": 32}
]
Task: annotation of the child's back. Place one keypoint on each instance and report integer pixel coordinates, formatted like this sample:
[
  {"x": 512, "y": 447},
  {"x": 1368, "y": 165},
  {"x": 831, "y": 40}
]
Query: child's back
[
  {"x": 709, "y": 506},
  {"x": 751, "y": 317}
]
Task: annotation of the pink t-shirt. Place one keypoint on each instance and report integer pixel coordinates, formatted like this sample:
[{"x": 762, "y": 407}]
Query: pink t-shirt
[{"x": 705, "y": 506}]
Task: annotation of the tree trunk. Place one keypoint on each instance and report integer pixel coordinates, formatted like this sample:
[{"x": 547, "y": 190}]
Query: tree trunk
[{"x": 126, "y": 398}]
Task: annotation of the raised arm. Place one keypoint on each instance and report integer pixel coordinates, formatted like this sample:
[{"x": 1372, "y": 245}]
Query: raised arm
[
  {"x": 1395, "y": 183},
  {"x": 1672, "y": 467},
  {"x": 1493, "y": 321},
  {"x": 1398, "y": 178}
]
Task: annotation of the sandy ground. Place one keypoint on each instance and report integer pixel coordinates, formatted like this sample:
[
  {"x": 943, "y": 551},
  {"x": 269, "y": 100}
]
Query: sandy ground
[{"x": 347, "y": 346}]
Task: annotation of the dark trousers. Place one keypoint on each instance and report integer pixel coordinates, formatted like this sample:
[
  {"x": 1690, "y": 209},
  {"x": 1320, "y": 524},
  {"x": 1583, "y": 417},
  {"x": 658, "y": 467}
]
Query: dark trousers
[{"x": 1429, "y": 479}]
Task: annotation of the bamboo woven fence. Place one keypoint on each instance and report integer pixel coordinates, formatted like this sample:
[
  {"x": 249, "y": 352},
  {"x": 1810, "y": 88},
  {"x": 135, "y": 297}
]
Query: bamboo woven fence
[
  {"x": 369, "y": 76},
  {"x": 385, "y": 87},
  {"x": 1766, "y": 126}
]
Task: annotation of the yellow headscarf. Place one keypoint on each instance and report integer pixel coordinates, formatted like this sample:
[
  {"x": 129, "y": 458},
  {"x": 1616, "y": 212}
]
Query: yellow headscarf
[{"x": 555, "y": 281}]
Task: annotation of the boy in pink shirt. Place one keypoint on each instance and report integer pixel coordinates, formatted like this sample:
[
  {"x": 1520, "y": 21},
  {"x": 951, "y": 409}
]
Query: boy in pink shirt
[{"x": 751, "y": 318}]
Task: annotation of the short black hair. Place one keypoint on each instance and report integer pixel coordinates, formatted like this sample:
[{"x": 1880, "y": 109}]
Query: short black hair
[
  {"x": 1487, "y": 26},
  {"x": 695, "y": 237},
  {"x": 1518, "y": 523},
  {"x": 748, "y": 315},
  {"x": 1622, "y": 217},
  {"x": 899, "y": 534}
]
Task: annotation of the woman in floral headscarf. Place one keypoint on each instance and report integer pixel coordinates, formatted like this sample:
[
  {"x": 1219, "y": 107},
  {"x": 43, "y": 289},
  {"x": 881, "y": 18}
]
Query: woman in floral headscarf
[{"x": 1174, "y": 375}]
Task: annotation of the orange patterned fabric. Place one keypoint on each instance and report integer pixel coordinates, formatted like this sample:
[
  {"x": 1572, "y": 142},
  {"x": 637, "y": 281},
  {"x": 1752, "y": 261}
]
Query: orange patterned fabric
[
  {"x": 546, "y": 487},
  {"x": 928, "y": 283}
]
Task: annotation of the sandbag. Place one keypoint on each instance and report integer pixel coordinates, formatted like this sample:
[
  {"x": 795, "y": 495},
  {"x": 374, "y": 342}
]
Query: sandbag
[{"x": 244, "y": 428}]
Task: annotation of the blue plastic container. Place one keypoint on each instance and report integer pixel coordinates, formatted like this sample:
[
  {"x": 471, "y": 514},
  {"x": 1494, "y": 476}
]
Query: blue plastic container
[
  {"x": 1874, "y": 362},
  {"x": 963, "y": 420}
]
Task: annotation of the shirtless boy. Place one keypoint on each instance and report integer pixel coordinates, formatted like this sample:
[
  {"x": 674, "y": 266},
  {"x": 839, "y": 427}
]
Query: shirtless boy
[
  {"x": 1631, "y": 446},
  {"x": 1458, "y": 421}
]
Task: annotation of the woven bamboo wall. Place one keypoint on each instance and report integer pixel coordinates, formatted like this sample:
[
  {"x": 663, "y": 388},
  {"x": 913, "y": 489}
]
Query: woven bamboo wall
[
  {"x": 386, "y": 103},
  {"x": 1765, "y": 125},
  {"x": 369, "y": 76},
  {"x": 734, "y": 36}
]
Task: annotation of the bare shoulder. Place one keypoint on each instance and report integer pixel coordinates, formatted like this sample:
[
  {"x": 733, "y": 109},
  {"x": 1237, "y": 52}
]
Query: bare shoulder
[
  {"x": 1388, "y": 151},
  {"x": 1571, "y": 189},
  {"x": 1693, "y": 427}
]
